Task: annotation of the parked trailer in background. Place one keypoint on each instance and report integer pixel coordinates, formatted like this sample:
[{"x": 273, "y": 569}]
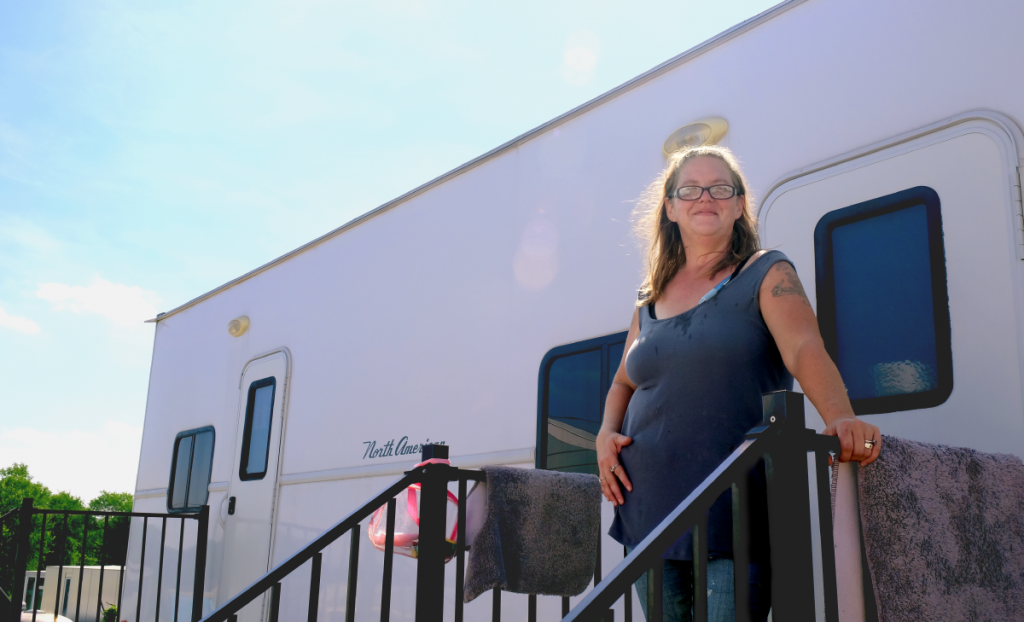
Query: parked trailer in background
[
  {"x": 486, "y": 309},
  {"x": 82, "y": 605}
]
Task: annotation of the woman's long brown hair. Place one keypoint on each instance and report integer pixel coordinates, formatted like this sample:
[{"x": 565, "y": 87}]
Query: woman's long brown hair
[{"x": 660, "y": 236}]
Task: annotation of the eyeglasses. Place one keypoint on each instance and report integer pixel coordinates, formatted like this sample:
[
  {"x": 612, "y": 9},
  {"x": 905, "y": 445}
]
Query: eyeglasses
[{"x": 692, "y": 193}]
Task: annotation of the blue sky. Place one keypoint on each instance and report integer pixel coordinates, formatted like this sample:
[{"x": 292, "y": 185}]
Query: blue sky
[{"x": 151, "y": 151}]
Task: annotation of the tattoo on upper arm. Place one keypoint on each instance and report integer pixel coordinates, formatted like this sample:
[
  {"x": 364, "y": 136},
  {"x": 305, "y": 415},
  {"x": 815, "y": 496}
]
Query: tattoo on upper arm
[{"x": 789, "y": 285}]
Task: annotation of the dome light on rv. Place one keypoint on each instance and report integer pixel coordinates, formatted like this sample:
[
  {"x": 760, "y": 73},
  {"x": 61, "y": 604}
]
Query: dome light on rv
[
  {"x": 238, "y": 326},
  {"x": 704, "y": 132}
]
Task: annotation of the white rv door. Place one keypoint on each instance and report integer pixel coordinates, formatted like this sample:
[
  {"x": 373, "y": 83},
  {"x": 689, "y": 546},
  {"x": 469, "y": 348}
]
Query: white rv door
[{"x": 248, "y": 526}]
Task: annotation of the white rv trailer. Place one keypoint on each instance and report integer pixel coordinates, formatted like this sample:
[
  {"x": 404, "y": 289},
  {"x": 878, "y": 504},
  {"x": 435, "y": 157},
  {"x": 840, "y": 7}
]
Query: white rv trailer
[{"x": 464, "y": 310}]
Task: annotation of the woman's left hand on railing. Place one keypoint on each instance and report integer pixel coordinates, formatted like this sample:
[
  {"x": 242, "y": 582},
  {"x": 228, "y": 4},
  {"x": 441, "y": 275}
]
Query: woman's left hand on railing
[{"x": 853, "y": 434}]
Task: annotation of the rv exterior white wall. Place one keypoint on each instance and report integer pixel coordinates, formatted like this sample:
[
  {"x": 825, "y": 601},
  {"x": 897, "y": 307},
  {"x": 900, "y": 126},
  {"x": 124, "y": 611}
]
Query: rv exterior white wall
[{"x": 416, "y": 322}]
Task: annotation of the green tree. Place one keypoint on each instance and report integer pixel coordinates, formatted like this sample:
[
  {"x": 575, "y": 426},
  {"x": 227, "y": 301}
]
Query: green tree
[
  {"x": 112, "y": 502},
  {"x": 114, "y": 550}
]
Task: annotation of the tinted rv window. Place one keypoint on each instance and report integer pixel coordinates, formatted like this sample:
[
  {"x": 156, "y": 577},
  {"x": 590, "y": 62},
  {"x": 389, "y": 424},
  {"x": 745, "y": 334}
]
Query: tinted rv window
[
  {"x": 190, "y": 470},
  {"x": 258, "y": 419},
  {"x": 882, "y": 303},
  {"x": 574, "y": 380}
]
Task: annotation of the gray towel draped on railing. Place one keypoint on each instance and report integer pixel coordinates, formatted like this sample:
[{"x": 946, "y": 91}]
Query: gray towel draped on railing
[
  {"x": 943, "y": 532},
  {"x": 539, "y": 533}
]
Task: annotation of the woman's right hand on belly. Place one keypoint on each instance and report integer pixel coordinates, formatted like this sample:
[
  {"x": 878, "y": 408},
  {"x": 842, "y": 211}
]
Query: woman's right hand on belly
[{"x": 612, "y": 474}]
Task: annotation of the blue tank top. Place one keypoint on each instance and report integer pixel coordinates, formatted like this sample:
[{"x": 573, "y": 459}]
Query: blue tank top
[{"x": 699, "y": 377}]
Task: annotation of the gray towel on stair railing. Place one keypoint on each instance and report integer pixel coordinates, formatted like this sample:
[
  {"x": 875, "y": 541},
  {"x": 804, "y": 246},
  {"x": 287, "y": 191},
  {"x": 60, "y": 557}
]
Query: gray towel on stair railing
[
  {"x": 538, "y": 534},
  {"x": 944, "y": 532}
]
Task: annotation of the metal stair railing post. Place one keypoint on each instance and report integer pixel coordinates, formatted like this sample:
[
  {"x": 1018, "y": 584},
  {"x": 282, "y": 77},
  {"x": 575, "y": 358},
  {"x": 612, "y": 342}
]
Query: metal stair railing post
[
  {"x": 431, "y": 554},
  {"x": 199, "y": 580},
  {"x": 790, "y": 511},
  {"x": 21, "y": 552}
]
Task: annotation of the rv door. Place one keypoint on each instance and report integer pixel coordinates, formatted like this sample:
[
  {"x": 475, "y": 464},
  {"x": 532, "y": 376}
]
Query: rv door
[
  {"x": 911, "y": 255},
  {"x": 252, "y": 493}
]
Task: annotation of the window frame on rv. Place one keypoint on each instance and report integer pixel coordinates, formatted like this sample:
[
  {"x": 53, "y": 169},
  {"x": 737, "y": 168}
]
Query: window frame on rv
[
  {"x": 896, "y": 272},
  {"x": 608, "y": 367},
  {"x": 247, "y": 435},
  {"x": 190, "y": 471}
]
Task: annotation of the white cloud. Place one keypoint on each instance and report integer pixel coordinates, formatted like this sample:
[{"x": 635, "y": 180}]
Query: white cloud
[
  {"x": 122, "y": 304},
  {"x": 82, "y": 462},
  {"x": 20, "y": 324}
]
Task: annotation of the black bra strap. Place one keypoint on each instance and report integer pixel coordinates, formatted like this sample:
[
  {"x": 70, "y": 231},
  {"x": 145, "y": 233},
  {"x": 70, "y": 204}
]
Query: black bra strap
[{"x": 740, "y": 267}]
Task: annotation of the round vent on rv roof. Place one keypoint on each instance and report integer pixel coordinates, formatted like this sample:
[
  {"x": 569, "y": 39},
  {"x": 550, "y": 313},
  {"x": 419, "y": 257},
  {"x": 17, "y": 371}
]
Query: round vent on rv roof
[
  {"x": 238, "y": 326},
  {"x": 704, "y": 132}
]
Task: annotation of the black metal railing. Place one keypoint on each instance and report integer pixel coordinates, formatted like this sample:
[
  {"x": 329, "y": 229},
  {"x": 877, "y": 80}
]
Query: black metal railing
[
  {"x": 58, "y": 531},
  {"x": 432, "y": 552},
  {"x": 784, "y": 444}
]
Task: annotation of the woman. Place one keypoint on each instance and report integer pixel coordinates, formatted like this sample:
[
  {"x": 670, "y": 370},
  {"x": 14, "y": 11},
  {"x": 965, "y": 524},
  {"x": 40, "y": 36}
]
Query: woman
[{"x": 719, "y": 323}]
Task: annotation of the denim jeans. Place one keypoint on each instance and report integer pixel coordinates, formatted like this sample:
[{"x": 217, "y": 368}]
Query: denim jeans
[{"x": 677, "y": 591}]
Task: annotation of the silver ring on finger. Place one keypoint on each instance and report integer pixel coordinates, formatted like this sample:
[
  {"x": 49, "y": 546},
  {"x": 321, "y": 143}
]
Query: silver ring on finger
[
  {"x": 870, "y": 444},
  {"x": 600, "y": 479},
  {"x": 614, "y": 466}
]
